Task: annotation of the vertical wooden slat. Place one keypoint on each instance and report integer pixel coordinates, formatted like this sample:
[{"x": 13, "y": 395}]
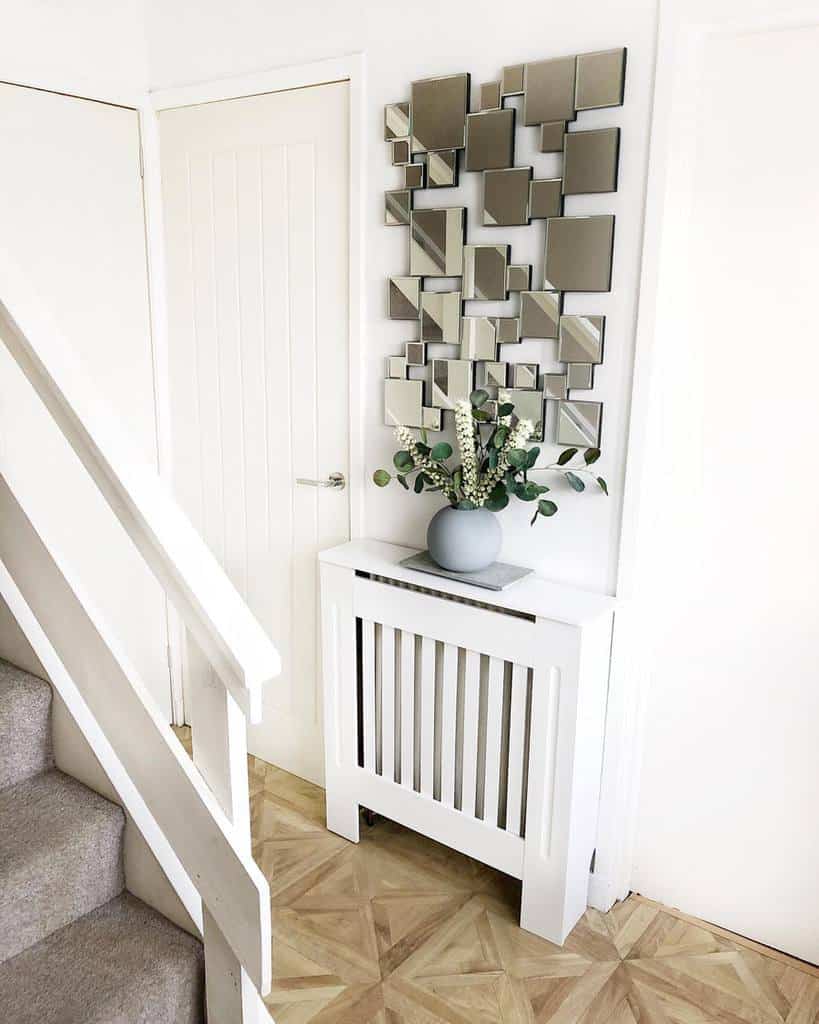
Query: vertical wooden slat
[
  {"x": 427, "y": 715},
  {"x": 407, "y": 691},
  {"x": 449, "y": 681},
  {"x": 472, "y": 692},
  {"x": 494, "y": 714},
  {"x": 517, "y": 741},
  {"x": 388, "y": 703},
  {"x": 368, "y": 691}
]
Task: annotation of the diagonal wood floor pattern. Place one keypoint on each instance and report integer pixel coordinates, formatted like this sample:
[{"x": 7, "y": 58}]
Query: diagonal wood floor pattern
[{"x": 401, "y": 930}]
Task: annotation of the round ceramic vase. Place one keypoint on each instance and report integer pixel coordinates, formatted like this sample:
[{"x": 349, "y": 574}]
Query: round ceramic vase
[{"x": 464, "y": 540}]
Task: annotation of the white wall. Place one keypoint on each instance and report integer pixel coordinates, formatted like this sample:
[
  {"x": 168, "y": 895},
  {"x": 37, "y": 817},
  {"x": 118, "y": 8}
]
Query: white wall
[{"x": 194, "y": 41}]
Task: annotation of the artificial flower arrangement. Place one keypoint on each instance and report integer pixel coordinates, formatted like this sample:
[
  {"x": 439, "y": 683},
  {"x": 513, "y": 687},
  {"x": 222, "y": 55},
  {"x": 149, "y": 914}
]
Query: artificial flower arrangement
[{"x": 494, "y": 464}]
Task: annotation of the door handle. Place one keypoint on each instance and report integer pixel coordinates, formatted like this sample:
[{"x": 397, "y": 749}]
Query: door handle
[{"x": 335, "y": 481}]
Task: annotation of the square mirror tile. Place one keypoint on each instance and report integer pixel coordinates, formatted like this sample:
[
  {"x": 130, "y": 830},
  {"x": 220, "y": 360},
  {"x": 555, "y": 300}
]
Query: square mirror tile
[
  {"x": 491, "y": 375},
  {"x": 578, "y": 253},
  {"x": 415, "y": 352},
  {"x": 528, "y": 406},
  {"x": 490, "y": 139},
  {"x": 439, "y": 107},
  {"x": 554, "y": 385},
  {"x": 581, "y": 339},
  {"x": 580, "y": 376},
  {"x": 507, "y": 330},
  {"x": 590, "y": 161},
  {"x": 545, "y": 198},
  {"x": 485, "y": 271},
  {"x": 539, "y": 314},
  {"x": 478, "y": 339},
  {"x": 512, "y": 80},
  {"x": 578, "y": 424},
  {"x": 402, "y": 402},
  {"x": 413, "y": 176},
  {"x": 451, "y": 382},
  {"x": 397, "y": 205},
  {"x": 404, "y": 298},
  {"x": 518, "y": 277},
  {"x": 551, "y": 136},
  {"x": 396, "y": 121},
  {"x": 442, "y": 169},
  {"x": 432, "y": 418},
  {"x": 524, "y": 375},
  {"x": 601, "y": 79},
  {"x": 548, "y": 90},
  {"x": 490, "y": 96},
  {"x": 397, "y": 367},
  {"x": 506, "y": 196},
  {"x": 400, "y": 152},
  {"x": 437, "y": 242},
  {"x": 441, "y": 317}
]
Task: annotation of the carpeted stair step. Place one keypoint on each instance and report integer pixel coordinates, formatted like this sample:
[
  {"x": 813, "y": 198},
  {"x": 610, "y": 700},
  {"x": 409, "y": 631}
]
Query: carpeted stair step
[
  {"x": 60, "y": 857},
  {"x": 25, "y": 725},
  {"x": 121, "y": 964}
]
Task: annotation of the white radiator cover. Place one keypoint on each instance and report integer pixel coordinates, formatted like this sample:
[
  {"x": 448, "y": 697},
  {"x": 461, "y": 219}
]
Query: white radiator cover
[{"x": 472, "y": 717}]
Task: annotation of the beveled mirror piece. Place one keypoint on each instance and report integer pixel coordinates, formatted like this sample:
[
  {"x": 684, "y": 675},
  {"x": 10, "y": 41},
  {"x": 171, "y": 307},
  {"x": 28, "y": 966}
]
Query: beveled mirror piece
[
  {"x": 590, "y": 161},
  {"x": 581, "y": 339},
  {"x": 396, "y": 121},
  {"x": 578, "y": 253},
  {"x": 551, "y": 136},
  {"x": 491, "y": 375},
  {"x": 548, "y": 91},
  {"x": 545, "y": 198},
  {"x": 554, "y": 385},
  {"x": 524, "y": 375},
  {"x": 601, "y": 78},
  {"x": 402, "y": 402},
  {"x": 442, "y": 169},
  {"x": 539, "y": 314},
  {"x": 490, "y": 139},
  {"x": 441, "y": 317},
  {"x": 578, "y": 424},
  {"x": 512, "y": 80},
  {"x": 485, "y": 271},
  {"x": 396, "y": 367},
  {"x": 413, "y": 176},
  {"x": 432, "y": 418},
  {"x": 528, "y": 406},
  {"x": 439, "y": 107},
  {"x": 451, "y": 381},
  {"x": 478, "y": 338},
  {"x": 518, "y": 277},
  {"x": 415, "y": 352},
  {"x": 437, "y": 242},
  {"x": 507, "y": 330},
  {"x": 580, "y": 376},
  {"x": 397, "y": 205},
  {"x": 490, "y": 95},
  {"x": 506, "y": 196},
  {"x": 404, "y": 298},
  {"x": 491, "y": 410},
  {"x": 400, "y": 152}
]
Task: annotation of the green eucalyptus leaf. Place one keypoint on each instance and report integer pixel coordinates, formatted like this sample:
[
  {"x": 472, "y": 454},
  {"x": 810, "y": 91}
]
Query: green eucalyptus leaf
[
  {"x": 575, "y": 482},
  {"x": 566, "y": 456},
  {"x": 403, "y": 461},
  {"x": 529, "y": 491},
  {"x": 500, "y": 436},
  {"x": 479, "y": 398},
  {"x": 457, "y": 477},
  {"x": 532, "y": 457},
  {"x": 496, "y": 501},
  {"x": 481, "y": 416},
  {"x": 441, "y": 451},
  {"x": 546, "y": 507},
  {"x": 493, "y": 458},
  {"x": 603, "y": 485},
  {"x": 465, "y": 505},
  {"x": 403, "y": 481},
  {"x": 506, "y": 409},
  {"x": 591, "y": 455},
  {"x": 381, "y": 478},
  {"x": 418, "y": 486},
  {"x": 517, "y": 458},
  {"x": 422, "y": 448}
]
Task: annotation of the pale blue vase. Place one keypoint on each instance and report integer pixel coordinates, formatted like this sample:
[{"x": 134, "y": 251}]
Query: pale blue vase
[{"x": 464, "y": 540}]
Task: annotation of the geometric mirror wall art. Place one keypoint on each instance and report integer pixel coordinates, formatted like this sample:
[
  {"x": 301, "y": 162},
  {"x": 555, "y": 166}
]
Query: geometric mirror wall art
[{"x": 434, "y": 136}]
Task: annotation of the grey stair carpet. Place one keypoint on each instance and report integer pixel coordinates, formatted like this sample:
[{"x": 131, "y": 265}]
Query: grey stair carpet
[{"x": 75, "y": 948}]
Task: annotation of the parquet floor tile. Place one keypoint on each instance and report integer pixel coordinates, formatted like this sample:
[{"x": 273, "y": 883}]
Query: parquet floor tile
[{"x": 401, "y": 930}]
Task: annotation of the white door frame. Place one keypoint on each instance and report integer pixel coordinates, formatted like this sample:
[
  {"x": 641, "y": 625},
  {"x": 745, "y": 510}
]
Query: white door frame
[{"x": 350, "y": 69}]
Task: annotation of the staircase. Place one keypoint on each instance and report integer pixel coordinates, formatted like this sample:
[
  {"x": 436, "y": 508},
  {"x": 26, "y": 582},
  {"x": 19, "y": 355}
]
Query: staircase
[{"x": 75, "y": 946}]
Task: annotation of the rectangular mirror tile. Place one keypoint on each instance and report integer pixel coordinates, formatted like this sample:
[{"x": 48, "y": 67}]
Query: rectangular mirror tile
[
  {"x": 580, "y": 376},
  {"x": 437, "y": 242},
  {"x": 491, "y": 375},
  {"x": 402, "y": 402},
  {"x": 396, "y": 121},
  {"x": 442, "y": 169},
  {"x": 578, "y": 424},
  {"x": 432, "y": 418},
  {"x": 551, "y": 136},
  {"x": 451, "y": 382},
  {"x": 414, "y": 176},
  {"x": 404, "y": 298},
  {"x": 578, "y": 253},
  {"x": 441, "y": 317},
  {"x": 478, "y": 338},
  {"x": 601, "y": 78},
  {"x": 490, "y": 139},
  {"x": 490, "y": 96},
  {"x": 545, "y": 198},
  {"x": 415, "y": 353},
  {"x": 400, "y": 152},
  {"x": 507, "y": 330},
  {"x": 484, "y": 274},
  {"x": 524, "y": 375},
  {"x": 518, "y": 277},
  {"x": 396, "y": 367},
  {"x": 439, "y": 107},
  {"x": 554, "y": 385},
  {"x": 512, "y": 80},
  {"x": 590, "y": 161},
  {"x": 539, "y": 314},
  {"x": 528, "y": 406},
  {"x": 548, "y": 90},
  {"x": 397, "y": 205},
  {"x": 506, "y": 196},
  {"x": 581, "y": 339}
]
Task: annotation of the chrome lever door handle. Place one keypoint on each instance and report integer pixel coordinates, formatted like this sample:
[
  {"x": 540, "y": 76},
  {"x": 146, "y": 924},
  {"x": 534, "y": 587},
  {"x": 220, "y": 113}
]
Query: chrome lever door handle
[{"x": 335, "y": 481}]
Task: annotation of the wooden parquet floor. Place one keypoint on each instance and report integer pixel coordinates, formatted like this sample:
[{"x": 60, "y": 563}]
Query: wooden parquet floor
[{"x": 401, "y": 930}]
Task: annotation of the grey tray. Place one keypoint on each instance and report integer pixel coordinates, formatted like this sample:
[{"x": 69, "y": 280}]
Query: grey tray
[{"x": 497, "y": 576}]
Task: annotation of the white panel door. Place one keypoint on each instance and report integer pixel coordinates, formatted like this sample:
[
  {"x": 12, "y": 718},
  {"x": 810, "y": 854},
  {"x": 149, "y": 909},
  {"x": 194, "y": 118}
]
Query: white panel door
[
  {"x": 71, "y": 217},
  {"x": 255, "y": 194}
]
